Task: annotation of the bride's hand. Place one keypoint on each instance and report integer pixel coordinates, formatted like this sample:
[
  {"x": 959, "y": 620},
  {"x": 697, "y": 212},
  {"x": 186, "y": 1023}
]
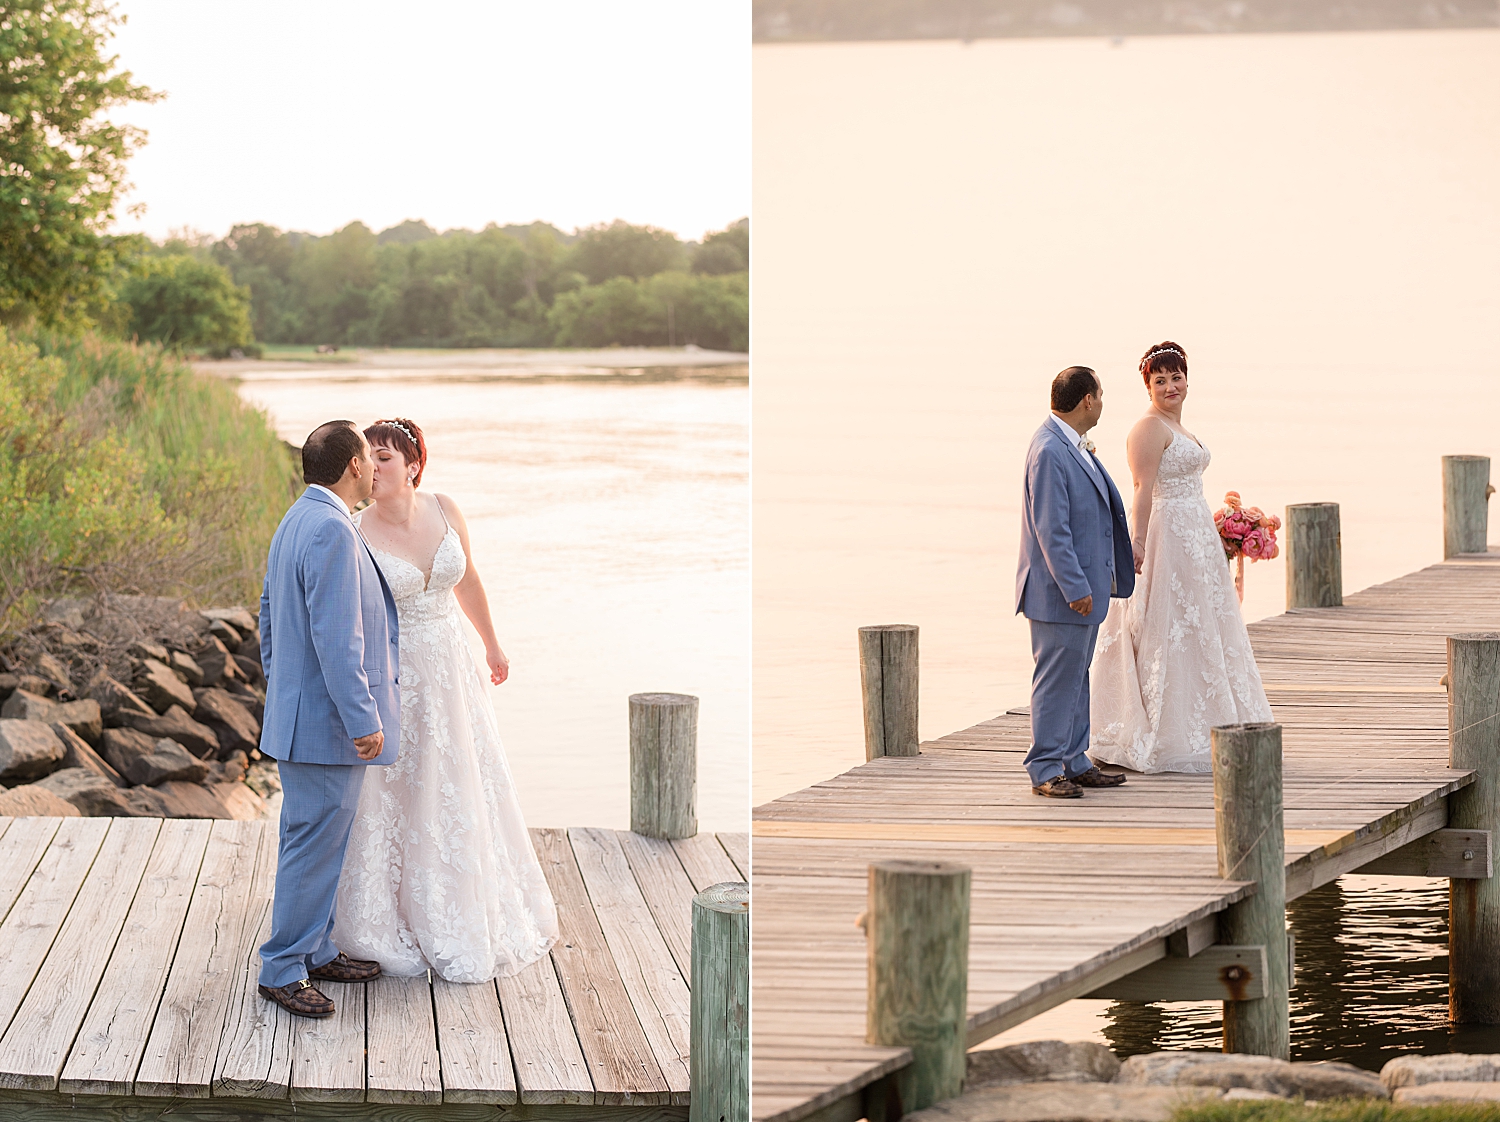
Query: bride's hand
[
  {"x": 499, "y": 665},
  {"x": 1138, "y": 551}
]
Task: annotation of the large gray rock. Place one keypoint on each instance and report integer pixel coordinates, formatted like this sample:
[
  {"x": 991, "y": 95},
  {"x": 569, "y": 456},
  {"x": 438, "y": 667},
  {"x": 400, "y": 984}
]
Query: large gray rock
[
  {"x": 186, "y": 667},
  {"x": 1259, "y": 1073},
  {"x": 78, "y": 753},
  {"x": 161, "y": 688},
  {"x": 190, "y": 800},
  {"x": 48, "y": 665},
  {"x": 226, "y": 633},
  {"x": 93, "y": 795},
  {"x": 1457, "y": 1067},
  {"x": 147, "y": 802},
  {"x": 237, "y": 617},
  {"x": 143, "y": 649},
  {"x": 253, "y": 698},
  {"x": 242, "y": 803},
  {"x": 1483, "y": 1091},
  {"x": 249, "y": 669},
  {"x": 31, "y": 801},
  {"x": 68, "y": 611},
  {"x": 217, "y": 663},
  {"x": 236, "y": 728},
  {"x": 9, "y": 684},
  {"x": 115, "y": 697},
  {"x": 83, "y": 717},
  {"x": 1042, "y": 1061},
  {"x": 1065, "y": 1102},
  {"x": 28, "y": 750},
  {"x": 176, "y": 725},
  {"x": 146, "y": 760}
]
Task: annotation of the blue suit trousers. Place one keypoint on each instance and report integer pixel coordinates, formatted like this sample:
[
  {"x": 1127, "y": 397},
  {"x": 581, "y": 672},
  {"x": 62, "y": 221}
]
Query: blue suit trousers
[
  {"x": 1060, "y": 699},
  {"x": 317, "y": 813}
]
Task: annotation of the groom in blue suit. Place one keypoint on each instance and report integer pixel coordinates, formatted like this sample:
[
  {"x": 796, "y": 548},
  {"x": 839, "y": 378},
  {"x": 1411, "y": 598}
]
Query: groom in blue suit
[
  {"x": 328, "y": 642},
  {"x": 1075, "y": 555}
]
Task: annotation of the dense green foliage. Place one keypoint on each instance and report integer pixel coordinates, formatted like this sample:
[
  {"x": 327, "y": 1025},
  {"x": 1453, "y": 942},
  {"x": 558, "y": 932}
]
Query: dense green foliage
[
  {"x": 183, "y": 302},
  {"x": 122, "y": 469},
  {"x": 1335, "y": 1110},
  {"x": 62, "y": 160},
  {"x": 517, "y": 286}
]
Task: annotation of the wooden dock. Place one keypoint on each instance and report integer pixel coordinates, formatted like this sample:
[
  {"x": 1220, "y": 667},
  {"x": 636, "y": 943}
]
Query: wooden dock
[
  {"x": 129, "y": 969},
  {"x": 1070, "y": 896}
]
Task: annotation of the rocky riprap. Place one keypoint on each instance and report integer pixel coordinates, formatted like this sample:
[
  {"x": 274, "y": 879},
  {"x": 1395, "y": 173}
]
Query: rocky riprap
[
  {"x": 1058, "y": 1081},
  {"x": 134, "y": 705}
]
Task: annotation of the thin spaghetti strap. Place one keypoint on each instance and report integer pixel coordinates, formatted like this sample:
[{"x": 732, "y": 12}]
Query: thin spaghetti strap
[{"x": 441, "y": 511}]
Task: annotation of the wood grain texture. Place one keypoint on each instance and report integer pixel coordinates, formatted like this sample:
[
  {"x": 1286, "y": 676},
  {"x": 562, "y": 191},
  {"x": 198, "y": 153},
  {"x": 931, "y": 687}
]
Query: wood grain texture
[
  {"x": 21, "y": 849},
  {"x": 888, "y": 679},
  {"x": 721, "y": 1005},
  {"x": 550, "y": 1068},
  {"x": 208, "y": 967},
  {"x": 656, "y": 985},
  {"x": 664, "y": 764},
  {"x": 1474, "y": 905},
  {"x": 1466, "y": 494},
  {"x": 35, "y": 1046},
  {"x": 623, "y": 1068},
  {"x": 664, "y": 884},
  {"x": 706, "y": 862},
  {"x": 473, "y": 1044},
  {"x": 112, "y": 1039},
  {"x": 1217, "y": 973},
  {"x": 1314, "y": 556},
  {"x": 328, "y": 1055},
  {"x": 737, "y": 845},
  {"x": 39, "y": 910},
  {"x": 403, "y": 1056}
]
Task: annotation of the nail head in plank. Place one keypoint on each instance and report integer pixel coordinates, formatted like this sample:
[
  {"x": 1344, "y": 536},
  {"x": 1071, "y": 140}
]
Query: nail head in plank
[
  {"x": 472, "y": 1042},
  {"x": 403, "y": 1057}
]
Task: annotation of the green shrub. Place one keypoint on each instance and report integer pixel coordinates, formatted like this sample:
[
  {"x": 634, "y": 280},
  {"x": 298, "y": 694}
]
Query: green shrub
[
  {"x": 665, "y": 309},
  {"x": 123, "y": 470},
  {"x": 186, "y": 304}
]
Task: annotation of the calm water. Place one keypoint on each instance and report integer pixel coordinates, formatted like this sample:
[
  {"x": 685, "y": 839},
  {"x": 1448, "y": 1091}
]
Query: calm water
[
  {"x": 941, "y": 227},
  {"x": 609, "y": 523}
]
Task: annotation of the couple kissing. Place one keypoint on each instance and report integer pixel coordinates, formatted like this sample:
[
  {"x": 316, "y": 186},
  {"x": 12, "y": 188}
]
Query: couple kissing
[
  {"x": 1132, "y": 672},
  {"x": 402, "y": 847}
]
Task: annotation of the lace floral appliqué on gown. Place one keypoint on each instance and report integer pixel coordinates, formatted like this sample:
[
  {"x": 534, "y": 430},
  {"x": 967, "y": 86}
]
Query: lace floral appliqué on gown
[
  {"x": 1174, "y": 660},
  {"x": 440, "y": 871}
]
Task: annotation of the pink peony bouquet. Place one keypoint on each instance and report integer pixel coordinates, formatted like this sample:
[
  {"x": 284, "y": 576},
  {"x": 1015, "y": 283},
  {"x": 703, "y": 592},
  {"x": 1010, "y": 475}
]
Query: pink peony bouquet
[{"x": 1246, "y": 531}]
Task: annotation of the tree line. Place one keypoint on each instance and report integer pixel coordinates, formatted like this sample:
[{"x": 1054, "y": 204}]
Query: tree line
[{"x": 62, "y": 168}]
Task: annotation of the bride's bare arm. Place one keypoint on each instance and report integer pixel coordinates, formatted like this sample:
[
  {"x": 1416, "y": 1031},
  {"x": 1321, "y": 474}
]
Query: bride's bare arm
[
  {"x": 471, "y": 597},
  {"x": 1143, "y": 451}
]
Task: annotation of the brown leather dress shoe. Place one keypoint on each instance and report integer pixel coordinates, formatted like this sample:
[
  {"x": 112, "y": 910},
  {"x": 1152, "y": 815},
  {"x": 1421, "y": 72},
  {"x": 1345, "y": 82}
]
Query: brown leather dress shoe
[
  {"x": 301, "y": 999},
  {"x": 345, "y": 969},
  {"x": 1058, "y": 787},
  {"x": 1096, "y": 778}
]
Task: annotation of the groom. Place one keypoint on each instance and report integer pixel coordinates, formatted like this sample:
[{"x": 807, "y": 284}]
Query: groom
[
  {"x": 328, "y": 642},
  {"x": 1075, "y": 555}
]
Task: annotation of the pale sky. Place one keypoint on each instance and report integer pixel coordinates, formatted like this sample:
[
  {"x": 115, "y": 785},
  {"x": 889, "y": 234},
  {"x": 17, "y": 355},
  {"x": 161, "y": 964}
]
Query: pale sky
[{"x": 309, "y": 114}]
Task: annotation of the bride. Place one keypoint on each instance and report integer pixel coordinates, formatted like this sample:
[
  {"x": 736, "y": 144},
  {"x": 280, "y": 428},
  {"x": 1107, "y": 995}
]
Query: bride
[
  {"x": 440, "y": 871},
  {"x": 1173, "y": 660}
]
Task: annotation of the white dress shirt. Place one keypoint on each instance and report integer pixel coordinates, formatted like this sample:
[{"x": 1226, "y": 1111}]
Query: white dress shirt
[
  {"x": 345, "y": 506},
  {"x": 1076, "y": 439}
]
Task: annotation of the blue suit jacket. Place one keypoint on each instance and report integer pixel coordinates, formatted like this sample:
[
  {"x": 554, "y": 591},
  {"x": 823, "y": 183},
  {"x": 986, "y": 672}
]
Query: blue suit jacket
[
  {"x": 328, "y": 640},
  {"x": 1074, "y": 538}
]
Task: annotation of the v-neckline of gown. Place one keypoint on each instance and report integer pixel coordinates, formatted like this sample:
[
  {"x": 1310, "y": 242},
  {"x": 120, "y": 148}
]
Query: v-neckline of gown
[{"x": 431, "y": 565}]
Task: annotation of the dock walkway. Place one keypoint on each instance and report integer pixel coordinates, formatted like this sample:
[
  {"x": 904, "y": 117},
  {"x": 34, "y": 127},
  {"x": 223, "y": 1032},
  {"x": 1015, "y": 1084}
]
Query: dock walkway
[
  {"x": 128, "y": 988},
  {"x": 1068, "y": 896}
]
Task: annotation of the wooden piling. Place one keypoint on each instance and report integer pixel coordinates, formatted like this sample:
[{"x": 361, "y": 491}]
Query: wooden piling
[
  {"x": 1474, "y": 904},
  {"x": 664, "y": 765},
  {"x": 1466, "y": 504},
  {"x": 917, "y": 928},
  {"x": 888, "y": 670},
  {"x": 719, "y": 1060},
  {"x": 1314, "y": 556},
  {"x": 1252, "y": 847}
]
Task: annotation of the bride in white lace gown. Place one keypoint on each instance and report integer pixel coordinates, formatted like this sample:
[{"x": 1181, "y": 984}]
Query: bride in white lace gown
[
  {"x": 440, "y": 871},
  {"x": 1173, "y": 660}
]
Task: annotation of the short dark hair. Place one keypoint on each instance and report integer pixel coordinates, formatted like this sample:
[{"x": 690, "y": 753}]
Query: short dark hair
[
  {"x": 1072, "y": 386},
  {"x": 327, "y": 451}
]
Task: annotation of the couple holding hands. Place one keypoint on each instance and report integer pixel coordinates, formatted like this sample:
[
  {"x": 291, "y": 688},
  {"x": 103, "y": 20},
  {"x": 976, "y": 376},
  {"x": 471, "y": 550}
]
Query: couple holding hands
[{"x": 1139, "y": 643}]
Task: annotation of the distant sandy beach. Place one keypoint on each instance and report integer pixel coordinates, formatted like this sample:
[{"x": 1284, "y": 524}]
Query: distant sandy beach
[{"x": 647, "y": 364}]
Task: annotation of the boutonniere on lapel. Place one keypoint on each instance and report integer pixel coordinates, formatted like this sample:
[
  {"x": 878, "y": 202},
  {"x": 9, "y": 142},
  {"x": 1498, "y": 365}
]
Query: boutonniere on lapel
[{"x": 1086, "y": 444}]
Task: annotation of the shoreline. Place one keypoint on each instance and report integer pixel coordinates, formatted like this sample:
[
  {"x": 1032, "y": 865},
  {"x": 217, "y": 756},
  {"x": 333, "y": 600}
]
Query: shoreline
[{"x": 635, "y": 364}]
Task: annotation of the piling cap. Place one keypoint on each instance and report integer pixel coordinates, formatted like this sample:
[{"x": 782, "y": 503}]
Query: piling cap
[{"x": 730, "y": 896}]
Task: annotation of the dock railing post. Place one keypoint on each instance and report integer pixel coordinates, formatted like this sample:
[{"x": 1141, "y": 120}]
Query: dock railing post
[
  {"x": 1252, "y": 847},
  {"x": 888, "y": 671},
  {"x": 719, "y": 1032},
  {"x": 917, "y": 929},
  {"x": 1474, "y": 905},
  {"x": 1466, "y": 504},
  {"x": 664, "y": 765},
  {"x": 1314, "y": 556}
]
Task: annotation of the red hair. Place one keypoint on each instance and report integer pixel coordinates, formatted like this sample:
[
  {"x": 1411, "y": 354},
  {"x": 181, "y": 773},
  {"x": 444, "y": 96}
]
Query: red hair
[
  {"x": 1163, "y": 358},
  {"x": 405, "y": 436}
]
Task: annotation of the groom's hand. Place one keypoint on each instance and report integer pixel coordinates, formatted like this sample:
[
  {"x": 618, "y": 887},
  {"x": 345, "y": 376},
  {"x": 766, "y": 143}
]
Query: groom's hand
[
  {"x": 368, "y": 747},
  {"x": 1083, "y": 607}
]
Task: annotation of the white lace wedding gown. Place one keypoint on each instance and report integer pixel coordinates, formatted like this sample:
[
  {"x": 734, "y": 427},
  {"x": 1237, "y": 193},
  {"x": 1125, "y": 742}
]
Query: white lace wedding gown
[
  {"x": 440, "y": 871},
  {"x": 1174, "y": 660}
]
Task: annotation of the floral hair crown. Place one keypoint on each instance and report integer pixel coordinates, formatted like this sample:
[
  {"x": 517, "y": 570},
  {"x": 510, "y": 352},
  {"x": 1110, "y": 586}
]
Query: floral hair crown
[{"x": 398, "y": 425}]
